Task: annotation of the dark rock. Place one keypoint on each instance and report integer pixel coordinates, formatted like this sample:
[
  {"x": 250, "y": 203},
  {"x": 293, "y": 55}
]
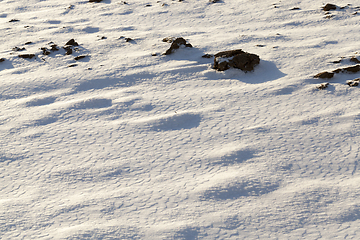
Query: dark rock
[
  {"x": 153, "y": 54},
  {"x": 14, "y": 20},
  {"x": 353, "y": 83},
  {"x": 2, "y": 59},
  {"x": 295, "y": 8},
  {"x": 207, "y": 56},
  {"x": 352, "y": 69},
  {"x": 27, "y": 55},
  {"x": 17, "y": 49},
  {"x": 214, "y": 1},
  {"x": 168, "y": 39},
  {"x": 72, "y": 65},
  {"x": 324, "y": 75},
  {"x": 97, "y": 1},
  {"x": 69, "y": 51},
  {"x": 27, "y": 43},
  {"x": 148, "y": 5},
  {"x": 176, "y": 45},
  {"x": 54, "y": 47},
  {"x": 338, "y": 61},
  {"x": 338, "y": 70},
  {"x": 354, "y": 59},
  {"x": 45, "y": 51},
  {"x": 236, "y": 59},
  {"x": 79, "y": 57},
  {"x": 329, "y": 7},
  {"x": 322, "y": 86},
  {"x": 72, "y": 42},
  {"x": 128, "y": 39},
  {"x": 260, "y": 45}
]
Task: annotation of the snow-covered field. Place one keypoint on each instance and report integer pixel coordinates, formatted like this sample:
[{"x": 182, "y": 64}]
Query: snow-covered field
[{"x": 128, "y": 143}]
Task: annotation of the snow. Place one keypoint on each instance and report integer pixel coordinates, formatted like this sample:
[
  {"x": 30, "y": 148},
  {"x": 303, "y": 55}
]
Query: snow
[{"x": 126, "y": 145}]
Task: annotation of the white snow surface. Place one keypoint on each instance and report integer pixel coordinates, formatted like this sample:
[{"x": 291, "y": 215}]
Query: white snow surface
[{"x": 127, "y": 145}]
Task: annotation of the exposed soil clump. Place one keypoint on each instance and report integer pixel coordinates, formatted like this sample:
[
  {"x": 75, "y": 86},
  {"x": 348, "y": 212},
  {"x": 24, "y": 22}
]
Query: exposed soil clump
[
  {"x": 322, "y": 86},
  {"x": 236, "y": 59},
  {"x": 71, "y": 42},
  {"x": 324, "y": 75},
  {"x": 27, "y": 56},
  {"x": 329, "y": 7},
  {"x": 176, "y": 45},
  {"x": 353, "y": 83}
]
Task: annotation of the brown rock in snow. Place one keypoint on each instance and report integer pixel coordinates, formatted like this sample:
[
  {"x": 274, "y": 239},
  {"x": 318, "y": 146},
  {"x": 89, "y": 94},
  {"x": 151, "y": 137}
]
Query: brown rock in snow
[
  {"x": 176, "y": 45},
  {"x": 324, "y": 75},
  {"x": 236, "y": 59}
]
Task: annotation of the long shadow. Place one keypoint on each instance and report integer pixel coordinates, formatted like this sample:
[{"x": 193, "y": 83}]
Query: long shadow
[
  {"x": 242, "y": 189},
  {"x": 6, "y": 64}
]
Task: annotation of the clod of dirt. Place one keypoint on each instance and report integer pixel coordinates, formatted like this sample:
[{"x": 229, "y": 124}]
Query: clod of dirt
[
  {"x": 329, "y": 7},
  {"x": 324, "y": 75},
  {"x": 176, "y": 45},
  {"x": 2, "y": 59},
  {"x": 54, "y": 47},
  {"x": 45, "y": 51},
  {"x": 17, "y": 49},
  {"x": 236, "y": 59},
  {"x": 207, "y": 56},
  {"x": 353, "y": 83},
  {"x": 68, "y": 50},
  {"x": 14, "y": 20},
  {"x": 79, "y": 57},
  {"x": 354, "y": 59},
  {"x": 27, "y": 56},
  {"x": 352, "y": 69},
  {"x": 322, "y": 86},
  {"x": 168, "y": 39},
  {"x": 72, "y": 42}
]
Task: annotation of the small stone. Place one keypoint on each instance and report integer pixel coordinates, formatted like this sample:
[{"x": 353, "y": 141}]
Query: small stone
[
  {"x": 153, "y": 54},
  {"x": 324, "y": 75},
  {"x": 214, "y": 1},
  {"x": 176, "y": 45},
  {"x": 168, "y": 39},
  {"x": 353, "y": 83},
  {"x": 128, "y": 39},
  {"x": 322, "y": 86},
  {"x": 236, "y": 59},
  {"x": 27, "y": 56},
  {"x": 69, "y": 51},
  {"x": 14, "y": 20},
  {"x": 27, "y": 43},
  {"x": 54, "y": 47},
  {"x": 148, "y": 5},
  {"x": 17, "y": 49},
  {"x": 72, "y": 42},
  {"x": 2, "y": 59},
  {"x": 295, "y": 8},
  {"x": 329, "y": 7},
  {"x": 72, "y": 65},
  {"x": 354, "y": 59},
  {"x": 207, "y": 56},
  {"x": 352, "y": 69},
  {"x": 79, "y": 57},
  {"x": 260, "y": 45},
  {"x": 45, "y": 51}
]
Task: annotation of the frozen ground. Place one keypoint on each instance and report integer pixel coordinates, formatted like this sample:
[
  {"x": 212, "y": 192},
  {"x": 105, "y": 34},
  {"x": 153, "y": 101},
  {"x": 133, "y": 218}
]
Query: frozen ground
[{"x": 126, "y": 145}]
